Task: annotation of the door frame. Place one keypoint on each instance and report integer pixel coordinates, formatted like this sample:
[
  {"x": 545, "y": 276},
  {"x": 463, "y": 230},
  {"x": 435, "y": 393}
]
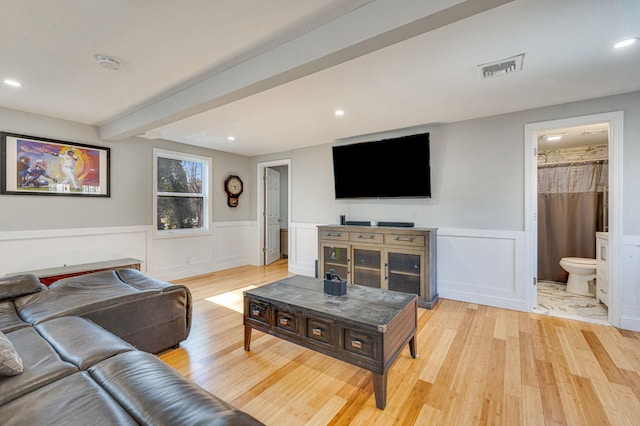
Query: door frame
[
  {"x": 261, "y": 217},
  {"x": 616, "y": 139}
]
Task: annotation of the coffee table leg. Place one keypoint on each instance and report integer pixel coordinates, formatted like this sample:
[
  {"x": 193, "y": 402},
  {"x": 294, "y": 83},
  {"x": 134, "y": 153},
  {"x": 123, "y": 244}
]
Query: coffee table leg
[
  {"x": 380, "y": 389},
  {"x": 412, "y": 347},
  {"x": 247, "y": 337}
]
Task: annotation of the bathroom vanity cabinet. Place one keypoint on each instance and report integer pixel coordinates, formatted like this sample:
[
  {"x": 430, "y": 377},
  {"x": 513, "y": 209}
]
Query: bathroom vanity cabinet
[
  {"x": 399, "y": 259},
  {"x": 602, "y": 267}
]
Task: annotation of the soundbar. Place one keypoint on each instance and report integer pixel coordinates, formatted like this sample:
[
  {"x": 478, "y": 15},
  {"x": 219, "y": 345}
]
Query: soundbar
[
  {"x": 391, "y": 224},
  {"x": 397, "y": 224}
]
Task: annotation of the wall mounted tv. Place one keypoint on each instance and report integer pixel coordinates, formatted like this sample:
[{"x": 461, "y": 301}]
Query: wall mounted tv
[{"x": 389, "y": 168}]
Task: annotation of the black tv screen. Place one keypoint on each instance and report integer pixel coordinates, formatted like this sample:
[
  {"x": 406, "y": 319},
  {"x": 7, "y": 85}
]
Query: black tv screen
[{"x": 389, "y": 168}]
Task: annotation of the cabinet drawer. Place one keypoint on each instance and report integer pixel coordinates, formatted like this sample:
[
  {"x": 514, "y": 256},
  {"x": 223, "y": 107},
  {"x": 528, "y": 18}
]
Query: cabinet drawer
[
  {"x": 603, "y": 294},
  {"x": 364, "y": 344},
  {"x": 286, "y": 321},
  {"x": 259, "y": 311},
  {"x": 334, "y": 235},
  {"x": 366, "y": 237},
  {"x": 404, "y": 240},
  {"x": 320, "y": 330}
]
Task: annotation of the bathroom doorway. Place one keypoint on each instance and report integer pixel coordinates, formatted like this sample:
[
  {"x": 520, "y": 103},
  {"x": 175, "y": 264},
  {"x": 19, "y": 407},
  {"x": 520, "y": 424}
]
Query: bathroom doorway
[
  {"x": 609, "y": 202},
  {"x": 572, "y": 210}
]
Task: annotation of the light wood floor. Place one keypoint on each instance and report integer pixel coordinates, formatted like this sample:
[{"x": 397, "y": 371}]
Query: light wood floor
[{"x": 476, "y": 365}]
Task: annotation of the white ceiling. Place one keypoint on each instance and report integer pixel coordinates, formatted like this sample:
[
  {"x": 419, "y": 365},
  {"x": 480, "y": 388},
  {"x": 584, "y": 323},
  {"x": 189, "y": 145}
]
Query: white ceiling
[{"x": 271, "y": 73}]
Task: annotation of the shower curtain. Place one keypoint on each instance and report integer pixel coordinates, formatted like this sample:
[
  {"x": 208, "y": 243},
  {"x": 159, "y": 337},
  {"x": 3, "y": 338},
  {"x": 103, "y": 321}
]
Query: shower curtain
[{"x": 570, "y": 211}]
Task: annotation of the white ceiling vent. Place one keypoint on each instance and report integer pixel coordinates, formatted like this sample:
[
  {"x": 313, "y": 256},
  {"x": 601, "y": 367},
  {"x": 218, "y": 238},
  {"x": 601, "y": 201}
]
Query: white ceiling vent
[{"x": 501, "y": 67}]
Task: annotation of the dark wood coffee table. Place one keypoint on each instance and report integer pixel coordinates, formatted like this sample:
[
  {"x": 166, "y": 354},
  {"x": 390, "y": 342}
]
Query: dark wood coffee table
[{"x": 367, "y": 327}]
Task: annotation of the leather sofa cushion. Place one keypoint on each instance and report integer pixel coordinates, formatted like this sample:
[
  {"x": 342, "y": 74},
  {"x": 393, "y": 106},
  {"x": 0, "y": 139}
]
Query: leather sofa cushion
[
  {"x": 9, "y": 319},
  {"x": 19, "y": 285},
  {"x": 73, "y": 400},
  {"x": 81, "y": 342},
  {"x": 42, "y": 365},
  {"x": 77, "y": 296},
  {"x": 154, "y": 393}
]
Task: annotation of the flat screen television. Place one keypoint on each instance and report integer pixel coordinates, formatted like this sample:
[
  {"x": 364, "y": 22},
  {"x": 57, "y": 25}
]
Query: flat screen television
[{"x": 388, "y": 168}]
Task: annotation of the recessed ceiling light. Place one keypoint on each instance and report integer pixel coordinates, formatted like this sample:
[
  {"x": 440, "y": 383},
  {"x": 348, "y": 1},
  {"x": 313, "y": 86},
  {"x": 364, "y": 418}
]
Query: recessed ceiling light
[
  {"x": 554, "y": 138},
  {"x": 339, "y": 112},
  {"x": 13, "y": 83},
  {"x": 625, "y": 43},
  {"x": 231, "y": 138}
]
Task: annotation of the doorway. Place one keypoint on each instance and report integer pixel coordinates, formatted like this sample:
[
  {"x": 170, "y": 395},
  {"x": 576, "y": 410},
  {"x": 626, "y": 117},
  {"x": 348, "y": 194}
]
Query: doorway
[
  {"x": 572, "y": 212},
  {"x": 533, "y": 132},
  {"x": 274, "y": 210}
]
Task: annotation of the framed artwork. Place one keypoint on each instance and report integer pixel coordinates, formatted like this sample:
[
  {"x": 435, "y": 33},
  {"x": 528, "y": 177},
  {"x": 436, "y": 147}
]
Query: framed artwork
[{"x": 39, "y": 166}]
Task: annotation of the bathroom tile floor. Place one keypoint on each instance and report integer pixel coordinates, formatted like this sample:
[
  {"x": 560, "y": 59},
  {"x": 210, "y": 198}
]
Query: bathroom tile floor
[{"x": 555, "y": 301}]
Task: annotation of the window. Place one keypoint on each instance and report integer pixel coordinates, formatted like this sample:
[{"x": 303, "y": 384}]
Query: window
[{"x": 181, "y": 192}]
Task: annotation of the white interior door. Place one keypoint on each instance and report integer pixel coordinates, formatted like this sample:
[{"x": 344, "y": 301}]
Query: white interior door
[{"x": 272, "y": 215}]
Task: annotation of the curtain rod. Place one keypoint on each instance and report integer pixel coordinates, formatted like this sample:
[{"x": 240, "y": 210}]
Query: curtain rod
[{"x": 571, "y": 163}]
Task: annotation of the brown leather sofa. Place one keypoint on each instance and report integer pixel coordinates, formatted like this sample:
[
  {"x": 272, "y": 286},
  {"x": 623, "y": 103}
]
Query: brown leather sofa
[
  {"x": 77, "y": 372},
  {"x": 150, "y": 314}
]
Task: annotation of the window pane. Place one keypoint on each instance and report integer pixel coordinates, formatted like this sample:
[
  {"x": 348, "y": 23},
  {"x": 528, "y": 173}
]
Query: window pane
[
  {"x": 179, "y": 213},
  {"x": 179, "y": 176}
]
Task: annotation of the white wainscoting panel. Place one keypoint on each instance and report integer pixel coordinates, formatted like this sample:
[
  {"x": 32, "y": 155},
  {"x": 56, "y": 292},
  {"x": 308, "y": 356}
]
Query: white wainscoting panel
[
  {"x": 30, "y": 250},
  {"x": 233, "y": 243},
  {"x": 180, "y": 256},
  {"x": 630, "y": 318},
  {"x": 303, "y": 249},
  {"x": 226, "y": 246},
  {"x": 485, "y": 267}
]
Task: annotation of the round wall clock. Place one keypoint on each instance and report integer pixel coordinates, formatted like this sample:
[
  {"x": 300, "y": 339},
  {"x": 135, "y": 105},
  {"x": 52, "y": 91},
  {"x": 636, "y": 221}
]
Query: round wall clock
[{"x": 233, "y": 186}]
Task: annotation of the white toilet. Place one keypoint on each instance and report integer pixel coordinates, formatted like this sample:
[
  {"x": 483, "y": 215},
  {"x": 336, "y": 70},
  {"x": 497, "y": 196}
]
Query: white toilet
[{"x": 581, "y": 271}]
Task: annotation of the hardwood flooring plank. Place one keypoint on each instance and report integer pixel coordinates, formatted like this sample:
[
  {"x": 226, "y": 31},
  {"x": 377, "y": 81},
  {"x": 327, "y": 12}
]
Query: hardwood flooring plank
[
  {"x": 528, "y": 371},
  {"x": 592, "y": 408},
  {"x": 327, "y": 412},
  {"x": 632, "y": 379},
  {"x": 494, "y": 381},
  {"x": 412, "y": 406},
  {"x": 604, "y": 360},
  {"x": 512, "y": 369},
  {"x": 549, "y": 395},
  {"x": 358, "y": 392},
  {"x": 532, "y": 411}
]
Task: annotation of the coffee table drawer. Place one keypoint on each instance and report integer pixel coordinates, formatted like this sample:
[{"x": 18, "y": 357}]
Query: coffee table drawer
[
  {"x": 259, "y": 311},
  {"x": 320, "y": 330},
  {"x": 364, "y": 344},
  {"x": 286, "y": 321}
]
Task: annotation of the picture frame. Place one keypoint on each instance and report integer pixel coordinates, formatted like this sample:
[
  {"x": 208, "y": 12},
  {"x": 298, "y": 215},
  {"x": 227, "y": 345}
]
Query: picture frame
[{"x": 33, "y": 165}]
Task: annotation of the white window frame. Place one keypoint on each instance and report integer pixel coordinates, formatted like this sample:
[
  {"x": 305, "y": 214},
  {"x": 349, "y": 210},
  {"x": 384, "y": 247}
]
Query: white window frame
[{"x": 206, "y": 195}]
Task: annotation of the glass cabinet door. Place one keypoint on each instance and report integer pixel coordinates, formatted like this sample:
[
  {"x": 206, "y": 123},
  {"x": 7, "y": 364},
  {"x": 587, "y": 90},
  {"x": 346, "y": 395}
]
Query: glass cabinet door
[
  {"x": 367, "y": 267},
  {"x": 336, "y": 258},
  {"x": 404, "y": 272}
]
